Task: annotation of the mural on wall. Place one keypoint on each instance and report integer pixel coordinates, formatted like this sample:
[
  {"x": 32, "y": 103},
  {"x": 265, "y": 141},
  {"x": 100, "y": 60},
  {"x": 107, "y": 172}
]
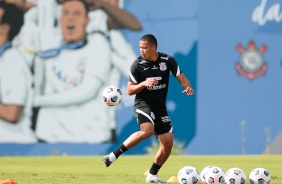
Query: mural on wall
[{"x": 73, "y": 55}]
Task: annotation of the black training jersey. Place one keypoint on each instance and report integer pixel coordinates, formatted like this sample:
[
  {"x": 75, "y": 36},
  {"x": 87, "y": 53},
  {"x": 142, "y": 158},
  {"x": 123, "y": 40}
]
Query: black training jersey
[{"x": 160, "y": 69}]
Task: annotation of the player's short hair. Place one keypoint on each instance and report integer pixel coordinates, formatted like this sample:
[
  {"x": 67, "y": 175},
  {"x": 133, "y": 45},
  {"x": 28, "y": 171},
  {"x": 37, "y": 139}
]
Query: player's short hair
[
  {"x": 151, "y": 39},
  {"x": 13, "y": 16},
  {"x": 85, "y": 4}
]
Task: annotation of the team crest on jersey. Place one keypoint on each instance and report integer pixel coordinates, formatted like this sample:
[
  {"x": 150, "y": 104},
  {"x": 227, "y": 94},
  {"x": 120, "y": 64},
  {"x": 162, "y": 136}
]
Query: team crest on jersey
[
  {"x": 251, "y": 64},
  {"x": 163, "y": 66}
]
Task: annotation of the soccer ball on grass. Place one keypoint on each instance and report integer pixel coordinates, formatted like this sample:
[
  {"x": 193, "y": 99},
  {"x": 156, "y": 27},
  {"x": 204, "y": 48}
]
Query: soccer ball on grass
[
  {"x": 259, "y": 176},
  {"x": 188, "y": 175},
  {"x": 112, "y": 95},
  {"x": 235, "y": 176},
  {"x": 215, "y": 175},
  {"x": 204, "y": 172}
]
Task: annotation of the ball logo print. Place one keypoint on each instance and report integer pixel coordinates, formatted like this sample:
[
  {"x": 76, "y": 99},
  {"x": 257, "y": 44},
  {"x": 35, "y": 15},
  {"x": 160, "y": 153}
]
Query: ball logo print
[
  {"x": 112, "y": 95},
  {"x": 189, "y": 171}
]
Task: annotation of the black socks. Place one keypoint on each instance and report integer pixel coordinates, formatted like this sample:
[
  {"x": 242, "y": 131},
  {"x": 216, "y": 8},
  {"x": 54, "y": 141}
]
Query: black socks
[
  {"x": 154, "y": 169},
  {"x": 120, "y": 150}
]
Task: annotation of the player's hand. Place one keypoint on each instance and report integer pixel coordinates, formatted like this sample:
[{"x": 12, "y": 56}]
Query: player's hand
[
  {"x": 150, "y": 82},
  {"x": 189, "y": 91}
]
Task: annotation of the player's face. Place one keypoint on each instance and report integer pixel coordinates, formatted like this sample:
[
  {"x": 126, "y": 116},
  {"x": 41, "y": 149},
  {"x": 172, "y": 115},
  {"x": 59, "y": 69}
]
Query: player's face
[
  {"x": 147, "y": 50},
  {"x": 74, "y": 21}
]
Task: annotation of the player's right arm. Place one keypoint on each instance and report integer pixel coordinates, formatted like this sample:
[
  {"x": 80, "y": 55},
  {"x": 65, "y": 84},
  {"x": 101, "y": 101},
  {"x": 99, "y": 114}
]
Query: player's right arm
[
  {"x": 133, "y": 85},
  {"x": 134, "y": 88}
]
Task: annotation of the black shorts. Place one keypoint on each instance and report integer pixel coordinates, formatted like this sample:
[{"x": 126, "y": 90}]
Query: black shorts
[{"x": 160, "y": 119}]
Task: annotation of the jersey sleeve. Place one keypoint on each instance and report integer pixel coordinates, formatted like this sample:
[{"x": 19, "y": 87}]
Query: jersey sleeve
[
  {"x": 133, "y": 73},
  {"x": 175, "y": 70}
]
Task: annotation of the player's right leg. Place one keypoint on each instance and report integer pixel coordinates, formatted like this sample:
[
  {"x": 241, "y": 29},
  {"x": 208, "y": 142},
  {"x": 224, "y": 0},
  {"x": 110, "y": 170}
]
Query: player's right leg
[{"x": 146, "y": 130}]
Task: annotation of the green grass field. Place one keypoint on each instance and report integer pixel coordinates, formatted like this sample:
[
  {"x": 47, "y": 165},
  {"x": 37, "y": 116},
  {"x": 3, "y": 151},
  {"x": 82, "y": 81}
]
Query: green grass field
[{"x": 127, "y": 169}]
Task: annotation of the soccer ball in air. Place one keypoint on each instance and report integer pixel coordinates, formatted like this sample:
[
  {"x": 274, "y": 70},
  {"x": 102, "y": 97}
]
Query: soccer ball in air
[
  {"x": 215, "y": 175},
  {"x": 235, "y": 176},
  {"x": 204, "y": 172},
  {"x": 259, "y": 176},
  {"x": 188, "y": 175},
  {"x": 112, "y": 95}
]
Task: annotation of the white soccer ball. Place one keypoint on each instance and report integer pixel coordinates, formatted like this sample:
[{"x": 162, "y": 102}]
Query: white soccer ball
[
  {"x": 188, "y": 175},
  {"x": 235, "y": 176},
  {"x": 215, "y": 175},
  {"x": 259, "y": 176},
  {"x": 112, "y": 95},
  {"x": 204, "y": 172}
]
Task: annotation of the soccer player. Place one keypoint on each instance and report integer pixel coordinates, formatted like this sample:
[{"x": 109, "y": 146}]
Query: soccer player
[
  {"x": 15, "y": 81},
  {"x": 149, "y": 79},
  {"x": 71, "y": 105}
]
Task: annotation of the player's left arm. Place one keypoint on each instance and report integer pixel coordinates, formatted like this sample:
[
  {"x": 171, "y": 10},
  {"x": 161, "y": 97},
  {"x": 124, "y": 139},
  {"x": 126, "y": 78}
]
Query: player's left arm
[{"x": 185, "y": 83}]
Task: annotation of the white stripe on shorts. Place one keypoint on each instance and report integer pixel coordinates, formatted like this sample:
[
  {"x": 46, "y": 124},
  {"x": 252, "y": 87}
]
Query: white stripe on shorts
[
  {"x": 145, "y": 114},
  {"x": 171, "y": 130}
]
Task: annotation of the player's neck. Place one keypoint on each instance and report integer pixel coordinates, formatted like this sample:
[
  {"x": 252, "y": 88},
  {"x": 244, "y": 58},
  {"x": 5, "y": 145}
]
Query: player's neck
[{"x": 154, "y": 57}]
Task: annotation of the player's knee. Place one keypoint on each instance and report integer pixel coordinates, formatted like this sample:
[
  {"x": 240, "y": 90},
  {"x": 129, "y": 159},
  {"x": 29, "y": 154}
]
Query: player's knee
[
  {"x": 168, "y": 145},
  {"x": 148, "y": 133}
]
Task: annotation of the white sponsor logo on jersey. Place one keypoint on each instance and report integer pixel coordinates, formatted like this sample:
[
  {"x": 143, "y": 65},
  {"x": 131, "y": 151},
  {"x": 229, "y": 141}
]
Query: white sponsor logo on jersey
[
  {"x": 157, "y": 78},
  {"x": 156, "y": 87},
  {"x": 143, "y": 61},
  {"x": 166, "y": 58}
]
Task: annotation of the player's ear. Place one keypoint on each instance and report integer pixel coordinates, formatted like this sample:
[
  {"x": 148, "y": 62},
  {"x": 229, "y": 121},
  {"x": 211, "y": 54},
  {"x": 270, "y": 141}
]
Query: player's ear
[{"x": 154, "y": 47}]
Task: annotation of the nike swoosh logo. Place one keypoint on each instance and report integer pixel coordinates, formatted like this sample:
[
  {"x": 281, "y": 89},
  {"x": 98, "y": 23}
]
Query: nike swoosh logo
[{"x": 146, "y": 68}]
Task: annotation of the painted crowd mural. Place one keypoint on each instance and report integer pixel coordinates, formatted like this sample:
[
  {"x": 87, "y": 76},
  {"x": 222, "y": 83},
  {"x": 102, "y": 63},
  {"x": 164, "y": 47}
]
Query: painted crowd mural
[{"x": 57, "y": 56}]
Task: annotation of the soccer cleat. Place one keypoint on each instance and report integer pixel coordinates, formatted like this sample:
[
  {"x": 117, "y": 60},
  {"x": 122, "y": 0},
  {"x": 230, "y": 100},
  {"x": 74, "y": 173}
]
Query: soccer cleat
[
  {"x": 107, "y": 161},
  {"x": 153, "y": 179}
]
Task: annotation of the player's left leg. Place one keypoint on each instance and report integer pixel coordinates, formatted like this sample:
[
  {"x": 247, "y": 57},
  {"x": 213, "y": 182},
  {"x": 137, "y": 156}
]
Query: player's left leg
[{"x": 166, "y": 143}]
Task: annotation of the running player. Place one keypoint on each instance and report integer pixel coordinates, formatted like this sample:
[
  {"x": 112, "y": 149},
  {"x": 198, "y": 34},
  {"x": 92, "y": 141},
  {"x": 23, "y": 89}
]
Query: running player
[{"x": 149, "y": 79}]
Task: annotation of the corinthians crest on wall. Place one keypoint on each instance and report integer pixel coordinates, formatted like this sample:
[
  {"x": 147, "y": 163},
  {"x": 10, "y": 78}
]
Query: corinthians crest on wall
[{"x": 251, "y": 63}]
